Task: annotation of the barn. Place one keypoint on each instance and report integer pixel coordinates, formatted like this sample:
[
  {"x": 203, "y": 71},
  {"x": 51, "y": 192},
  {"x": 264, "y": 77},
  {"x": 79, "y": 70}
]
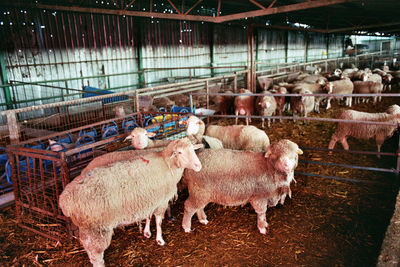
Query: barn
[{"x": 79, "y": 76}]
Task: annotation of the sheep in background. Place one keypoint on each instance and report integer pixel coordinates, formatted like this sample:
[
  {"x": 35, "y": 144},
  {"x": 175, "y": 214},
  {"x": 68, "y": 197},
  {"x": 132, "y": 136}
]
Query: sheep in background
[
  {"x": 244, "y": 105},
  {"x": 164, "y": 102},
  {"x": 280, "y": 100},
  {"x": 195, "y": 132},
  {"x": 366, "y": 131},
  {"x": 224, "y": 102},
  {"x": 266, "y": 106},
  {"x": 240, "y": 137},
  {"x": 241, "y": 177},
  {"x": 342, "y": 86},
  {"x": 367, "y": 87},
  {"x": 140, "y": 139},
  {"x": 302, "y": 104},
  {"x": 124, "y": 193},
  {"x": 318, "y": 87}
]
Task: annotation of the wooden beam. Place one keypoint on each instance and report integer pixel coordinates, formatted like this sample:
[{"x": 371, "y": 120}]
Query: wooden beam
[
  {"x": 183, "y": 6},
  {"x": 219, "y": 8},
  {"x": 151, "y": 6},
  {"x": 281, "y": 9},
  {"x": 363, "y": 27},
  {"x": 289, "y": 28},
  {"x": 272, "y": 4},
  {"x": 172, "y": 4},
  {"x": 257, "y": 4},
  {"x": 133, "y": 1},
  {"x": 119, "y": 12},
  {"x": 190, "y": 9}
]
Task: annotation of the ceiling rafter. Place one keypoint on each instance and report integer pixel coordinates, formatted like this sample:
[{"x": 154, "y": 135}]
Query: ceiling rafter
[
  {"x": 257, "y": 4},
  {"x": 272, "y": 4},
  {"x": 190, "y": 9},
  {"x": 172, "y": 4}
]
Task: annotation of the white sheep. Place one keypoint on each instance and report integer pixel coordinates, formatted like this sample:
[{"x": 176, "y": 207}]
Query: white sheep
[
  {"x": 244, "y": 105},
  {"x": 240, "y": 137},
  {"x": 124, "y": 193},
  {"x": 140, "y": 139},
  {"x": 368, "y": 87},
  {"x": 342, "y": 86},
  {"x": 266, "y": 106},
  {"x": 365, "y": 131},
  {"x": 233, "y": 178},
  {"x": 302, "y": 104},
  {"x": 195, "y": 132}
]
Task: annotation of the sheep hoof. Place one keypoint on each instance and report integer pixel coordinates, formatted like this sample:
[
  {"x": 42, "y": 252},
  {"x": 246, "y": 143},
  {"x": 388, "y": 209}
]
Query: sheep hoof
[
  {"x": 205, "y": 222},
  {"x": 263, "y": 230},
  {"x": 187, "y": 230},
  {"x": 160, "y": 242},
  {"x": 147, "y": 234}
]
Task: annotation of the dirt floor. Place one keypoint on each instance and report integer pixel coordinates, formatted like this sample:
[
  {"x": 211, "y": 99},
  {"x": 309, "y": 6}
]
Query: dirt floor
[{"x": 327, "y": 222}]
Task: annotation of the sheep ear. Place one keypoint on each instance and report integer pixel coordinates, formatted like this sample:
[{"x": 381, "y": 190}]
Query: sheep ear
[
  {"x": 129, "y": 137},
  {"x": 150, "y": 134},
  {"x": 268, "y": 153},
  {"x": 198, "y": 146},
  {"x": 299, "y": 151},
  {"x": 199, "y": 122}
]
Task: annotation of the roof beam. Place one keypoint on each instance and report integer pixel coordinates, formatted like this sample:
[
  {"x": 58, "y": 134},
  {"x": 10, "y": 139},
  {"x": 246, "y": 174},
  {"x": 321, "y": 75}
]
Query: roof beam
[
  {"x": 190, "y": 9},
  {"x": 119, "y": 12},
  {"x": 257, "y": 4},
  {"x": 172, "y": 4},
  {"x": 363, "y": 27},
  {"x": 280, "y": 9}
]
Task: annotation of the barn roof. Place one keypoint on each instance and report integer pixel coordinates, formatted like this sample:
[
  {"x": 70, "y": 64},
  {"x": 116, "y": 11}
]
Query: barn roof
[{"x": 326, "y": 16}]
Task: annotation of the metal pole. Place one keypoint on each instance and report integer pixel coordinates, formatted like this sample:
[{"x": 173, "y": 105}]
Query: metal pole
[
  {"x": 4, "y": 80},
  {"x": 13, "y": 127},
  {"x": 139, "y": 54},
  {"x": 208, "y": 99}
]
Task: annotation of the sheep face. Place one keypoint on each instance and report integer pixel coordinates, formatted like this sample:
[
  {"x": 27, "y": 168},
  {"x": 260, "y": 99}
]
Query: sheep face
[
  {"x": 139, "y": 138},
  {"x": 394, "y": 110},
  {"x": 284, "y": 155},
  {"x": 182, "y": 154},
  {"x": 193, "y": 125}
]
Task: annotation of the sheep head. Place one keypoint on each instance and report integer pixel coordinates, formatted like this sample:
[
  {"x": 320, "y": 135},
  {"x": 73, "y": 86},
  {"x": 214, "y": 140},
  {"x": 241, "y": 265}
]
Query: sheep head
[
  {"x": 284, "y": 155},
  {"x": 139, "y": 138},
  {"x": 180, "y": 154}
]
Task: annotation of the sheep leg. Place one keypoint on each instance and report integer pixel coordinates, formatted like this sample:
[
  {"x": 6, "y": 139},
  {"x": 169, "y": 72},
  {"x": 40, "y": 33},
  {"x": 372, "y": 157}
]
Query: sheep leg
[
  {"x": 201, "y": 215},
  {"x": 328, "y": 106},
  {"x": 190, "y": 210},
  {"x": 379, "y": 142},
  {"x": 280, "y": 115},
  {"x": 260, "y": 208},
  {"x": 345, "y": 145},
  {"x": 269, "y": 123},
  {"x": 332, "y": 143},
  {"x": 146, "y": 231},
  {"x": 262, "y": 123},
  {"x": 159, "y": 238},
  {"x": 95, "y": 243},
  {"x": 236, "y": 119}
]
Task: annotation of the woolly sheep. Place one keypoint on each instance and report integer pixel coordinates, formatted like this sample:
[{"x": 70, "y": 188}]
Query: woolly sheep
[
  {"x": 280, "y": 100},
  {"x": 241, "y": 177},
  {"x": 317, "y": 87},
  {"x": 302, "y": 104},
  {"x": 342, "y": 86},
  {"x": 124, "y": 193},
  {"x": 239, "y": 137},
  {"x": 367, "y": 87},
  {"x": 244, "y": 105},
  {"x": 224, "y": 102},
  {"x": 140, "y": 139},
  {"x": 366, "y": 131},
  {"x": 195, "y": 132},
  {"x": 266, "y": 106}
]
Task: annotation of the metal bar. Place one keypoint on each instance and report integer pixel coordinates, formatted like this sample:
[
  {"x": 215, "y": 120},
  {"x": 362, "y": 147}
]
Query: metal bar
[
  {"x": 350, "y": 151},
  {"x": 219, "y": 8},
  {"x": 280, "y": 9},
  {"x": 4, "y": 80},
  {"x": 190, "y": 9},
  {"x": 130, "y": 3},
  {"x": 176, "y": 9},
  {"x": 59, "y": 87},
  {"x": 257, "y": 4},
  {"x": 272, "y": 4},
  {"x": 349, "y": 166},
  {"x": 363, "y": 27},
  {"x": 336, "y": 178}
]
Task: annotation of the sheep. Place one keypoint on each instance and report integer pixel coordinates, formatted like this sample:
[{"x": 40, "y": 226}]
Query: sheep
[
  {"x": 280, "y": 100},
  {"x": 315, "y": 78},
  {"x": 302, "y": 104},
  {"x": 124, "y": 193},
  {"x": 366, "y": 131},
  {"x": 241, "y": 177},
  {"x": 195, "y": 132},
  {"x": 224, "y": 102},
  {"x": 342, "y": 86},
  {"x": 244, "y": 105},
  {"x": 140, "y": 139},
  {"x": 239, "y": 137},
  {"x": 265, "y": 82},
  {"x": 375, "y": 78},
  {"x": 367, "y": 87},
  {"x": 266, "y": 106},
  {"x": 164, "y": 102},
  {"x": 317, "y": 87}
]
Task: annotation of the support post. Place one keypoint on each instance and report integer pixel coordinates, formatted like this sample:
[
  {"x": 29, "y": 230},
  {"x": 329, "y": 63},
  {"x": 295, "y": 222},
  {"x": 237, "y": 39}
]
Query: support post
[
  {"x": 286, "y": 46},
  {"x": 305, "y": 47},
  {"x": 13, "y": 127},
  {"x": 211, "y": 32},
  {"x": 139, "y": 54},
  {"x": 4, "y": 81},
  {"x": 208, "y": 99},
  {"x": 138, "y": 109},
  {"x": 250, "y": 50},
  {"x": 235, "y": 83}
]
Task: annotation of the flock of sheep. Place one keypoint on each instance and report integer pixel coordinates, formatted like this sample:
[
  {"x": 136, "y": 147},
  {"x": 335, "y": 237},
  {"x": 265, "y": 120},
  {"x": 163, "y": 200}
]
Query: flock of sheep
[
  {"x": 235, "y": 164},
  {"x": 121, "y": 188},
  {"x": 340, "y": 82}
]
